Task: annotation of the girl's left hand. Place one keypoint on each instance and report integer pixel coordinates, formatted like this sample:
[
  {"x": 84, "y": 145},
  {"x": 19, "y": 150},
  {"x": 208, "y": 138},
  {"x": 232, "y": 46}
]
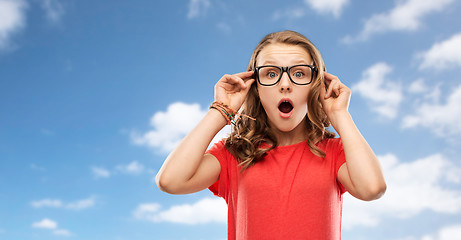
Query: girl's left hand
[{"x": 335, "y": 96}]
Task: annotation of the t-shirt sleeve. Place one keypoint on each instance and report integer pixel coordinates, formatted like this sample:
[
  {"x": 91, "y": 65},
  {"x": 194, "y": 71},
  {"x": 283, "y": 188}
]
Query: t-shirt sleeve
[
  {"x": 339, "y": 159},
  {"x": 219, "y": 188}
]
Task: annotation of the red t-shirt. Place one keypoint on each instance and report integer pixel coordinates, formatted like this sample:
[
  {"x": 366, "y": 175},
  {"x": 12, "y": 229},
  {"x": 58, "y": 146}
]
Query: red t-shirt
[{"x": 290, "y": 194}]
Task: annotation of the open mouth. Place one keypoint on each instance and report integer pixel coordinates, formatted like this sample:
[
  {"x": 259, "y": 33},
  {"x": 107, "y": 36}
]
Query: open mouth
[{"x": 285, "y": 106}]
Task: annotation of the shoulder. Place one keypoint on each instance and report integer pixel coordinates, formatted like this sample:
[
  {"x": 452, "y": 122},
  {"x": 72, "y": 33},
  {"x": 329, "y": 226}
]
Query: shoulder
[
  {"x": 330, "y": 144},
  {"x": 220, "y": 151},
  {"x": 332, "y": 147},
  {"x": 218, "y": 147}
]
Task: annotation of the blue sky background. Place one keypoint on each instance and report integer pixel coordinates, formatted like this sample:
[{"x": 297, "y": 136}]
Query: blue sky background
[{"x": 93, "y": 96}]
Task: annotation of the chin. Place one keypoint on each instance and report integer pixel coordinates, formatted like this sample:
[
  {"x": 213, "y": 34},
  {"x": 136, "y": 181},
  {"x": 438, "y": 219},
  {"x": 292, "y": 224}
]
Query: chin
[{"x": 287, "y": 125}]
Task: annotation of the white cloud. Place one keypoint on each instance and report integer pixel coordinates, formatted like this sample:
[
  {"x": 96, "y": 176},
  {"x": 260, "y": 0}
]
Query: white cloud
[
  {"x": 224, "y": 27},
  {"x": 447, "y": 233},
  {"x": 204, "y": 211},
  {"x": 99, "y": 172},
  {"x": 62, "y": 232},
  {"x": 81, "y": 204},
  {"x": 52, "y": 225},
  {"x": 47, "y": 132},
  {"x": 171, "y": 127},
  {"x": 131, "y": 168},
  {"x": 45, "y": 223},
  {"x": 53, "y": 9},
  {"x": 57, "y": 203},
  {"x": 198, "y": 8},
  {"x": 37, "y": 167},
  {"x": 412, "y": 187},
  {"x": 333, "y": 7},
  {"x": 418, "y": 86},
  {"x": 289, "y": 13},
  {"x": 405, "y": 16},
  {"x": 422, "y": 92},
  {"x": 12, "y": 20},
  {"x": 147, "y": 211},
  {"x": 442, "y": 119},
  {"x": 442, "y": 55},
  {"x": 383, "y": 94}
]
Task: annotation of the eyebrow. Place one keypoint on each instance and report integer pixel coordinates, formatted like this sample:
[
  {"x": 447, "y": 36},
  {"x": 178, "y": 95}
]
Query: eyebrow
[{"x": 270, "y": 62}]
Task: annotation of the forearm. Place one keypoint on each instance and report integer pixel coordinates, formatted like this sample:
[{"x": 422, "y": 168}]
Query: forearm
[
  {"x": 183, "y": 162},
  {"x": 362, "y": 164},
  {"x": 187, "y": 169}
]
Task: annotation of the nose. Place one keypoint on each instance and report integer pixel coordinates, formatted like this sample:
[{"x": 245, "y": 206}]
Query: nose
[{"x": 285, "y": 83}]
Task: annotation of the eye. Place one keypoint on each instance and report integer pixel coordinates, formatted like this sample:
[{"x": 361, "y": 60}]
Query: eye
[
  {"x": 298, "y": 74},
  {"x": 272, "y": 74}
]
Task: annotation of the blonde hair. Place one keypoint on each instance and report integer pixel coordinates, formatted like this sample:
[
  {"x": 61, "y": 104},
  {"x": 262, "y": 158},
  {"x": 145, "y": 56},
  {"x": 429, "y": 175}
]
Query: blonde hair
[{"x": 246, "y": 146}]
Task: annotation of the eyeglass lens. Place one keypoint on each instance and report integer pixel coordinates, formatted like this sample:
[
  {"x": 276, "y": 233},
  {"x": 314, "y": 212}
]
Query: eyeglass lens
[{"x": 269, "y": 75}]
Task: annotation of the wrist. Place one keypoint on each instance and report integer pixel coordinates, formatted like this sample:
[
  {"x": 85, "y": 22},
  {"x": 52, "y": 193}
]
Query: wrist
[
  {"x": 217, "y": 117},
  {"x": 339, "y": 118},
  {"x": 227, "y": 112}
]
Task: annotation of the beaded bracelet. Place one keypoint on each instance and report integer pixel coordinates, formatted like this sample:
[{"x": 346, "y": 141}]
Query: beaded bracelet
[{"x": 228, "y": 113}]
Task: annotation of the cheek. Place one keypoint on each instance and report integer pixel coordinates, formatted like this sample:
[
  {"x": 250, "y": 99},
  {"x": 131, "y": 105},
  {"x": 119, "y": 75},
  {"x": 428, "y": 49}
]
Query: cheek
[
  {"x": 306, "y": 93},
  {"x": 262, "y": 93},
  {"x": 303, "y": 100},
  {"x": 266, "y": 97}
]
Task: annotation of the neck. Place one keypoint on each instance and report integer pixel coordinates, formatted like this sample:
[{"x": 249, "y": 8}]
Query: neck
[{"x": 297, "y": 135}]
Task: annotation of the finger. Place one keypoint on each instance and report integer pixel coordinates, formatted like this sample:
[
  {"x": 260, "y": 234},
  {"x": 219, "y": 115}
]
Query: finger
[
  {"x": 238, "y": 81},
  {"x": 250, "y": 77},
  {"x": 333, "y": 83},
  {"x": 249, "y": 82},
  {"x": 227, "y": 78},
  {"x": 330, "y": 89},
  {"x": 245, "y": 76},
  {"x": 329, "y": 76},
  {"x": 227, "y": 82},
  {"x": 229, "y": 87},
  {"x": 337, "y": 89},
  {"x": 248, "y": 85}
]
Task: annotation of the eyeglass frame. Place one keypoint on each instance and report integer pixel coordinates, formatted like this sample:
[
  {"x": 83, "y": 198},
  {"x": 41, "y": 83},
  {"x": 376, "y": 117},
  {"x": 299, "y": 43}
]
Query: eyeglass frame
[{"x": 287, "y": 70}]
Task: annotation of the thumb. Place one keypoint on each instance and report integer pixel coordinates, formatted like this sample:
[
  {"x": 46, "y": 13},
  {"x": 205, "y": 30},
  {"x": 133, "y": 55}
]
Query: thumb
[{"x": 249, "y": 82}]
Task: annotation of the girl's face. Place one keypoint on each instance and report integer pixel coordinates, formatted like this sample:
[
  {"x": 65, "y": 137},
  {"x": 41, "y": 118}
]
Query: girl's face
[{"x": 285, "y": 103}]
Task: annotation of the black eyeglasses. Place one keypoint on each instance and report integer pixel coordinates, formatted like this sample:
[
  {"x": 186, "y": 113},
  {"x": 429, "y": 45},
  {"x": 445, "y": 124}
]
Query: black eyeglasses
[{"x": 270, "y": 75}]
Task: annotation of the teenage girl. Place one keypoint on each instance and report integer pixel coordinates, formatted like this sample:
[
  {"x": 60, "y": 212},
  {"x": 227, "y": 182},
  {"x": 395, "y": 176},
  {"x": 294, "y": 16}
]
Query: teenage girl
[{"x": 281, "y": 172}]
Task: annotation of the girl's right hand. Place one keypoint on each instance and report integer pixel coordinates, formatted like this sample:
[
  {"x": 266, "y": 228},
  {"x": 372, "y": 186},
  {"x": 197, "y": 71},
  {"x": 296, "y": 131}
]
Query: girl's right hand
[{"x": 232, "y": 89}]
